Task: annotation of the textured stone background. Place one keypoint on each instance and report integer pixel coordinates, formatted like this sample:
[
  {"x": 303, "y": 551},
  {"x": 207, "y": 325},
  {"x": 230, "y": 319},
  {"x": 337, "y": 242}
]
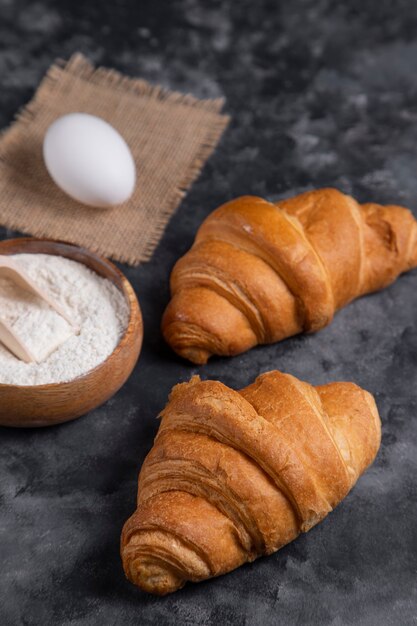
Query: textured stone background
[{"x": 321, "y": 93}]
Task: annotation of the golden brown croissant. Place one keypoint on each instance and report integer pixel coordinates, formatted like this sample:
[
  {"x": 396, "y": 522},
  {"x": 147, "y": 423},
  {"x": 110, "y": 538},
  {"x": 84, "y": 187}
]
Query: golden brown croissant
[
  {"x": 235, "y": 475},
  {"x": 259, "y": 272}
]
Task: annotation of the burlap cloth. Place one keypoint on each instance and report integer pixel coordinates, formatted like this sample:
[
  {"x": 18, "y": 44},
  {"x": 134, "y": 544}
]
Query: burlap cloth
[{"x": 171, "y": 135}]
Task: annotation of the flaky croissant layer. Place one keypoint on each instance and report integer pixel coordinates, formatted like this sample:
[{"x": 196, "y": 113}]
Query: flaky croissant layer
[
  {"x": 259, "y": 272},
  {"x": 236, "y": 475}
]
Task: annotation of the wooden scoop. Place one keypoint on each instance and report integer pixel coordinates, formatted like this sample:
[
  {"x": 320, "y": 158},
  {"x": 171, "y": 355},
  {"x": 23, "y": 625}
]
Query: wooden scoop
[{"x": 11, "y": 270}]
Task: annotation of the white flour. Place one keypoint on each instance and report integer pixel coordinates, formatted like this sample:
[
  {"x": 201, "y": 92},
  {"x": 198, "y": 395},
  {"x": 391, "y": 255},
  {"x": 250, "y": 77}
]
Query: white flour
[{"x": 92, "y": 302}]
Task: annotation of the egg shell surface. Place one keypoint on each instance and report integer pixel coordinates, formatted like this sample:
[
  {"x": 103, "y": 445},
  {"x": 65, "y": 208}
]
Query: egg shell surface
[{"x": 89, "y": 160}]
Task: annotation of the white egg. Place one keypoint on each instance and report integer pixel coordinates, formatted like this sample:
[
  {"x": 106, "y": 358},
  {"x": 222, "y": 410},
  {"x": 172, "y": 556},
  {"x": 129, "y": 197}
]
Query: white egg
[{"x": 89, "y": 160}]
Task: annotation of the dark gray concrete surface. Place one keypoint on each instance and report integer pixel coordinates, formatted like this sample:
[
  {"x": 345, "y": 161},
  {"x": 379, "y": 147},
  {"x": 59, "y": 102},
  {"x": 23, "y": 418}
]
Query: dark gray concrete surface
[{"x": 321, "y": 93}]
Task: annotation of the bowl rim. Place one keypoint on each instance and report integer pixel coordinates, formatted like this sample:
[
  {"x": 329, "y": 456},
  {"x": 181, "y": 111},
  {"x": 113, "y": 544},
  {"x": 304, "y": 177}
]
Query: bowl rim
[{"x": 125, "y": 287}]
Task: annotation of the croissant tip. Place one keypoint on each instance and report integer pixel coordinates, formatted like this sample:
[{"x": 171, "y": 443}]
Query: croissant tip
[
  {"x": 154, "y": 579},
  {"x": 198, "y": 356}
]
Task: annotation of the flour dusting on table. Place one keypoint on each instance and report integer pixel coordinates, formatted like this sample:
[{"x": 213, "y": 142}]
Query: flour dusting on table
[{"x": 92, "y": 302}]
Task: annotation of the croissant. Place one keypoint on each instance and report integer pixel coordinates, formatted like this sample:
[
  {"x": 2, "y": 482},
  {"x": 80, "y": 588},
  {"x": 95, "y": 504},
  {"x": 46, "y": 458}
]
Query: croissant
[
  {"x": 259, "y": 272},
  {"x": 234, "y": 475}
]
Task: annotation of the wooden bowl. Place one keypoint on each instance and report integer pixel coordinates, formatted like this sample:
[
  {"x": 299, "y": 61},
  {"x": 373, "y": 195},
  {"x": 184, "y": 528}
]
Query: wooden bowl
[{"x": 44, "y": 405}]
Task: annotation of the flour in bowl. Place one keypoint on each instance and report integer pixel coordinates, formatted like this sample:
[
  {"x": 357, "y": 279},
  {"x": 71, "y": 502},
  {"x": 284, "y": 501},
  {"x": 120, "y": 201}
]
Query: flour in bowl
[{"x": 94, "y": 303}]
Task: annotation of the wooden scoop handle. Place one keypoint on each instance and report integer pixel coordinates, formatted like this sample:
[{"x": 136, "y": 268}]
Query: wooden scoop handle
[
  {"x": 13, "y": 343},
  {"x": 11, "y": 270}
]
